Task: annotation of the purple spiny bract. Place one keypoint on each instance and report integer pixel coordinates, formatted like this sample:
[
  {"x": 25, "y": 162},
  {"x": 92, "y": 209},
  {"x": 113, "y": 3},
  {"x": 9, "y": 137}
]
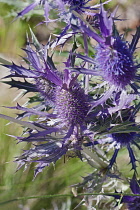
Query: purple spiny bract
[
  {"x": 114, "y": 59},
  {"x": 67, "y": 102}
]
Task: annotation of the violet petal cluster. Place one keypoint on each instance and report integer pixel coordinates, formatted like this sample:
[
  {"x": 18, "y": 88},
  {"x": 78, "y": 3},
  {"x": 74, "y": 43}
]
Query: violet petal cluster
[
  {"x": 114, "y": 58},
  {"x": 66, "y": 100}
]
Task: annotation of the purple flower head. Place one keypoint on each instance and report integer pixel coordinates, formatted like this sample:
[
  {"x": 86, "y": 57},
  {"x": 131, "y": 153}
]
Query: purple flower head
[
  {"x": 72, "y": 104},
  {"x": 116, "y": 63},
  {"x": 114, "y": 58},
  {"x": 123, "y": 131},
  {"x": 67, "y": 102},
  {"x": 63, "y": 90},
  {"x": 123, "y": 135}
]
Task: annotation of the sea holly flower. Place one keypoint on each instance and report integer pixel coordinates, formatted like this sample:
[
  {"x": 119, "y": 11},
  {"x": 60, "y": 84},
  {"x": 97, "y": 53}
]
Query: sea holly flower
[
  {"x": 114, "y": 58},
  {"x": 68, "y": 108},
  {"x": 122, "y": 135}
]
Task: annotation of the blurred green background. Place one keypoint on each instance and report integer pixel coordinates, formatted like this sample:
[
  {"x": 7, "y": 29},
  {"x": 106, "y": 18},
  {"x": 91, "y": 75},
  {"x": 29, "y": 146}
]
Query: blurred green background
[{"x": 54, "y": 179}]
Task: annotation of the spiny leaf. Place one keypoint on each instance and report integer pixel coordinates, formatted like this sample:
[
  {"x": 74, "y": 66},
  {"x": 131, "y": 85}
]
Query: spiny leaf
[
  {"x": 35, "y": 40},
  {"x": 135, "y": 40},
  {"x": 22, "y": 85}
]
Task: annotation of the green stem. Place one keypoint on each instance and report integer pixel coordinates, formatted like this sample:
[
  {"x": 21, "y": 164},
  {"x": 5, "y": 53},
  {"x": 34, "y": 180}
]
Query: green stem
[{"x": 66, "y": 195}]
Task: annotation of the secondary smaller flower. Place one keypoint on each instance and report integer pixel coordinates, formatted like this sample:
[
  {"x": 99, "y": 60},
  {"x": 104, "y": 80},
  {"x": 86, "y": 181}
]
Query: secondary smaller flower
[
  {"x": 123, "y": 136},
  {"x": 114, "y": 58}
]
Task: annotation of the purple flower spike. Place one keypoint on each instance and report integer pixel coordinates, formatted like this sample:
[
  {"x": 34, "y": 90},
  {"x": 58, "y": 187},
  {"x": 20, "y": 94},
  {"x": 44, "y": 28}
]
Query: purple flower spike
[
  {"x": 114, "y": 58},
  {"x": 72, "y": 105},
  {"x": 116, "y": 64},
  {"x": 124, "y": 139},
  {"x": 63, "y": 96}
]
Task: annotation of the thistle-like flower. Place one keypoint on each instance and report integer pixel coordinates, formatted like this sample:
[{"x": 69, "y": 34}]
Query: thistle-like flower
[
  {"x": 114, "y": 59},
  {"x": 65, "y": 98},
  {"x": 119, "y": 136}
]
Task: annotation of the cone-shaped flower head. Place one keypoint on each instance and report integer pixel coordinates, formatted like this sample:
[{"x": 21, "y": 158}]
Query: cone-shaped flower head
[
  {"x": 125, "y": 138},
  {"x": 116, "y": 63},
  {"x": 67, "y": 101},
  {"x": 114, "y": 59},
  {"x": 63, "y": 90},
  {"x": 121, "y": 138},
  {"x": 71, "y": 105}
]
